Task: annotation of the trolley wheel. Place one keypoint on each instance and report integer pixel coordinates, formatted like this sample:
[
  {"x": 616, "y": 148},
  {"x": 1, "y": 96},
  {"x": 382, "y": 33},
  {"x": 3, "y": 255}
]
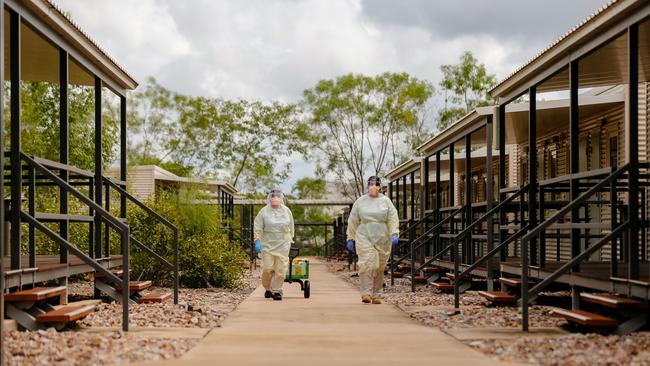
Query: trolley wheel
[{"x": 306, "y": 290}]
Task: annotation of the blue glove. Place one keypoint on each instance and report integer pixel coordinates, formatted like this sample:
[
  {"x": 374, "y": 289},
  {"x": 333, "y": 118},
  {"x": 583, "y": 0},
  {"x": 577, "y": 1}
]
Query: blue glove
[
  {"x": 394, "y": 240},
  {"x": 258, "y": 246},
  {"x": 350, "y": 245}
]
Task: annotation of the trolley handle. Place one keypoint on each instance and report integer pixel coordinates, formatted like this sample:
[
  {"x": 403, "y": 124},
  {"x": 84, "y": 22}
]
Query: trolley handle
[{"x": 293, "y": 253}]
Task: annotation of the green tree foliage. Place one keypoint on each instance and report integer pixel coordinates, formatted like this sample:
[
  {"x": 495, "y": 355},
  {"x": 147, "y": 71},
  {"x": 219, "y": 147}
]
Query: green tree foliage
[
  {"x": 250, "y": 142},
  {"x": 465, "y": 86},
  {"x": 40, "y": 124},
  {"x": 363, "y": 124},
  {"x": 151, "y": 115},
  {"x": 247, "y": 143}
]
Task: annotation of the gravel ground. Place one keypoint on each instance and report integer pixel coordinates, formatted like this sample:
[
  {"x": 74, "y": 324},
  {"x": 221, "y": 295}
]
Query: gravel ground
[
  {"x": 198, "y": 308},
  {"x": 574, "y": 350},
  {"x": 474, "y": 313},
  {"x": 75, "y": 348}
]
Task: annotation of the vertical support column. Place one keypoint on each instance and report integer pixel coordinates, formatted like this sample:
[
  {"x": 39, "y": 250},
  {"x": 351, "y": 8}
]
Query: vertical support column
[
  {"x": 532, "y": 213},
  {"x": 451, "y": 175},
  {"x": 632, "y": 130},
  {"x": 16, "y": 171},
  {"x": 437, "y": 216},
  {"x": 411, "y": 233},
  {"x": 412, "y": 178},
  {"x": 574, "y": 158},
  {"x": 64, "y": 143},
  {"x": 98, "y": 164},
  {"x": 31, "y": 198},
  {"x": 107, "y": 232},
  {"x": 2, "y": 206},
  {"x": 574, "y": 166},
  {"x": 454, "y": 248},
  {"x": 532, "y": 171},
  {"x": 468, "y": 250},
  {"x": 404, "y": 200},
  {"x": 489, "y": 197},
  {"x": 397, "y": 206},
  {"x": 31, "y": 203},
  {"x": 501, "y": 130},
  {"x": 424, "y": 182},
  {"x": 123, "y": 154}
]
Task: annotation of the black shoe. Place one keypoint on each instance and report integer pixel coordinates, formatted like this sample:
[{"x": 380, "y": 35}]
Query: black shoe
[
  {"x": 277, "y": 296},
  {"x": 268, "y": 294}
]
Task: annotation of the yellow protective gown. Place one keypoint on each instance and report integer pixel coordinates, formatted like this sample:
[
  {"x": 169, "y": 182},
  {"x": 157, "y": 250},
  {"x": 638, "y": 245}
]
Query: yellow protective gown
[
  {"x": 372, "y": 222},
  {"x": 275, "y": 229}
]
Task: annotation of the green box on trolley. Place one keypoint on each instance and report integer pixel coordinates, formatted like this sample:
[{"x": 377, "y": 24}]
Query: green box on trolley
[{"x": 298, "y": 272}]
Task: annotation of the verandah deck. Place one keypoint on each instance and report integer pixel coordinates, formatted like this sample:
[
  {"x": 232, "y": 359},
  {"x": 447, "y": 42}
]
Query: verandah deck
[{"x": 48, "y": 267}]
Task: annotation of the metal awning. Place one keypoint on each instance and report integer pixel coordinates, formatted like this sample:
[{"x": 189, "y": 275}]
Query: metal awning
[{"x": 599, "y": 42}]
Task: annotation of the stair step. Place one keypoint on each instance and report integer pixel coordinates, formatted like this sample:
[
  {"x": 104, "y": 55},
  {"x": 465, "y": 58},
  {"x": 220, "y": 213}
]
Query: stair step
[
  {"x": 139, "y": 285},
  {"x": 154, "y": 297},
  {"x": 35, "y": 294},
  {"x": 513, "y": 282},
  {"x": 585, "y": 318},
  {"x": 452, "y": 276},
  {"x": 431, "y": 270},
  {"x": 442, "y": 286},
  {"x": 117, "y": 272},
  {"x": 398, "y": 275},
  {"x": 403, "y": 267},
  {"x": 498, "y": 297},
  {"x": 65, "y": 314},
  {"x": 136, "y": 286},
  {"x": 418, "y": 279},
  {"x": 614, "y": 301}
]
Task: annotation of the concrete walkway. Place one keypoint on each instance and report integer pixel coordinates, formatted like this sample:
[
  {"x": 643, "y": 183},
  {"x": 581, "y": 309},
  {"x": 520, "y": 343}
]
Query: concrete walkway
[{"x": 330, "y": 328}]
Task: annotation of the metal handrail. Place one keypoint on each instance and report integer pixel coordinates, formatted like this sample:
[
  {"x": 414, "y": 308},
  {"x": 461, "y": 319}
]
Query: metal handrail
[
  {"x": 105, "y": 215},
  {"x": 413, "y": 226},
  {"x": 532, "y": 293},
  {"x": 525, "y": 292},
  {"x": 481, "y": 219},
  {"x": 434, "y": 228},
  {"x": 574, "y": 204},
  {"x": 467, "y": 230},
  {"x": 492, "y": 252},
  {"x": 163, "y": 221}
]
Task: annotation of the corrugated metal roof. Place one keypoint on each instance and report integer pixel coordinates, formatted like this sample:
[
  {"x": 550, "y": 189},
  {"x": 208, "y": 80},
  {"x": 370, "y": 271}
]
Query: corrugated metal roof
[
  {"x": 582, "y": 24},
  {"x": 53, "y": 5}
]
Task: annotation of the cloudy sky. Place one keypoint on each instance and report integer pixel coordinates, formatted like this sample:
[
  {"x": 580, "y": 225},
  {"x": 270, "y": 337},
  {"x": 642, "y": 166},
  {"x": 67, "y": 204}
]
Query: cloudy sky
[{"x": 274, "y": 49}]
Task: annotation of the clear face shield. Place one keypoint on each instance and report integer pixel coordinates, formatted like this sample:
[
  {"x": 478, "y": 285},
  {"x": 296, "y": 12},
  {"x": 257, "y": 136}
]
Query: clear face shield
[
  {"x": 374, "y": 185},
  {"x": 275, "y": 198}
]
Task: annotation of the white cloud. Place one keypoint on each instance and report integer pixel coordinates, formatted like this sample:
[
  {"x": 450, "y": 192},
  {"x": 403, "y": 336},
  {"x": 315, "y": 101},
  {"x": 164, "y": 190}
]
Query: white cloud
[{"x": 273, "y": 50}]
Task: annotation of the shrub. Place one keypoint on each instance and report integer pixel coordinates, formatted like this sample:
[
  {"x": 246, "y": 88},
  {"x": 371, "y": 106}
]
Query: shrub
[{"x": 206, "y": 257}]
